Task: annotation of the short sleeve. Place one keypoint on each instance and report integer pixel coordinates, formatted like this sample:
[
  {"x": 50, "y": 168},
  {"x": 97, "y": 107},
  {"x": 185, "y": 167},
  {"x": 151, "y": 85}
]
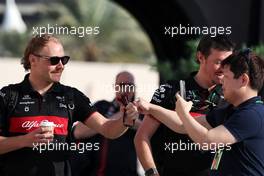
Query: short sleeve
[
  {"x": 83, "y": 106},
  {"x": 217, "y": 116},
  {"x": 211, "y": 118},
  {"x": 165, "y": 96},
  {"x": 244, "y": 124}
]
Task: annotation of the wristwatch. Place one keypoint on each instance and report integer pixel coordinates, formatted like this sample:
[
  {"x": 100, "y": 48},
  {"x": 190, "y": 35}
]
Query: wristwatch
[{"x": 151, "y": 172}]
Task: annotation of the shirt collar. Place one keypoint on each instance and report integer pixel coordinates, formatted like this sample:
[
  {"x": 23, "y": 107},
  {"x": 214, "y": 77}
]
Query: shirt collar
[
  {"x": 217, "y": 88},
  {"x": 249, "y": 101},
  {"x": 195, "y": 84},
  {"x": 27, "y": 87}
]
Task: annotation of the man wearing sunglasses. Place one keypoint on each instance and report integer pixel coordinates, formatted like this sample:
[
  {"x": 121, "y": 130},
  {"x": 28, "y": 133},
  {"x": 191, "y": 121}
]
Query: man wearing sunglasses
[
  {"x": 41, "y": 98},
  {"x": 54, "y": 60}
]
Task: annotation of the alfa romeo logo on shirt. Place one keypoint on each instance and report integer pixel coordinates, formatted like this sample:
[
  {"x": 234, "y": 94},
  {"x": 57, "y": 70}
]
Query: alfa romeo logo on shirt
[{"x": 26, "y": 109}]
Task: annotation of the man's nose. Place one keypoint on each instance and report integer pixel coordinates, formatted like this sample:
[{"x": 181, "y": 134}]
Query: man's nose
[{"x": 60, "y": 65}]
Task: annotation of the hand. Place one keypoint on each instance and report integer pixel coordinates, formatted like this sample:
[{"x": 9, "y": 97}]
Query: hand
[
  {"x": 182, "y": 106},
  {"x": 131, "y": 114},
  {"x": 142, "y": 106},
  {"x": 38, "y": 136}
]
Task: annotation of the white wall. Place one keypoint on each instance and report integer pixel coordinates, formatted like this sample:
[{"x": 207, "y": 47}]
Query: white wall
[{"x": 94, "y": 79}]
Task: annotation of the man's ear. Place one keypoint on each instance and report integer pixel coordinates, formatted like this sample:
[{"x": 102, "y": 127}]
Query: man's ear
[
  {"x": 200, "y": 57},
  {"x": 32, "y": 59},
  {"x": 244, "y": 79}
]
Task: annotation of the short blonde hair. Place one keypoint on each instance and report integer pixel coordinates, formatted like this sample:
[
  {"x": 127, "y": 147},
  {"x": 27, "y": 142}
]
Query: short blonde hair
[{"x": 35, "y": 45}]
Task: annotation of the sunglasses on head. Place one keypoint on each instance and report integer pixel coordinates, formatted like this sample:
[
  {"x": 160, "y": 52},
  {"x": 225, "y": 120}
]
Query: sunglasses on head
[{"x": 54, "y": 60}]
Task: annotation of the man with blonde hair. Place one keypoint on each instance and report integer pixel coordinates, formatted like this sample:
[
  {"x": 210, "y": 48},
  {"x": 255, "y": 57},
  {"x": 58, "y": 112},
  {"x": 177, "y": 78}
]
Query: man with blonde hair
[{"x": 24, "y": 145}]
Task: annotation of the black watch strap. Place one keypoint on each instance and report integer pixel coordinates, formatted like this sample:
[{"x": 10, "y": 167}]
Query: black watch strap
[{"x": 151, "y": 171}]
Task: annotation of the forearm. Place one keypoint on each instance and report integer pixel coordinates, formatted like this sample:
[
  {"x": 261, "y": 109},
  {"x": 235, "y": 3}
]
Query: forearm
[
  {"x": 8, "y": 144},
  {"x": 81, "y": 131},
  {"x": 195, "y": 130},
  {"x": 109, "y": 128},
  {"x": 114, "y": 128},
  {"x": 143, "y": 149},
  {"x": 168, "y": 118},
  {"x": 142, "y": 141}
]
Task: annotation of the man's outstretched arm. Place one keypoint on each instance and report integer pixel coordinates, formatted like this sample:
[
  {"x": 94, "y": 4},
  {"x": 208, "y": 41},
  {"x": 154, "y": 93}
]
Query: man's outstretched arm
[{"x": 142, "y": 142}]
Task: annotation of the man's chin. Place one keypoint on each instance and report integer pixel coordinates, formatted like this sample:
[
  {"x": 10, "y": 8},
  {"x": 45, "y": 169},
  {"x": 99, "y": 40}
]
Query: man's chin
[
  {"x": 55, "y": 79},
  {"x": 218, "y": 79}
]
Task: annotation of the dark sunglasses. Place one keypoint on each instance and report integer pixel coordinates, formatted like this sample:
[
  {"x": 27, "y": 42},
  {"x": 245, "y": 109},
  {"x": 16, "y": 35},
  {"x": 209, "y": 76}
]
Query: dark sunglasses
[{"x": 54, "y": 60}]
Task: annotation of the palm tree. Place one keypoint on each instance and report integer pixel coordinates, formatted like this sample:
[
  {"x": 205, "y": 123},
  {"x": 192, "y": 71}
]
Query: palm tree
[{"x": 120, "y": 38}]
